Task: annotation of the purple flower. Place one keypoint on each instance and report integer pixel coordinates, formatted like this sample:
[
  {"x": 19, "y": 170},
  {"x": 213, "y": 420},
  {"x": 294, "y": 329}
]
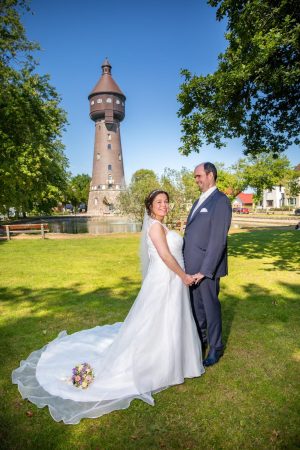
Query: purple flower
[{"x": 83, "y": 375}]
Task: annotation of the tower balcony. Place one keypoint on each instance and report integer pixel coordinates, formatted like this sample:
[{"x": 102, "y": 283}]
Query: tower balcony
[{"x": 107, "y": 106}]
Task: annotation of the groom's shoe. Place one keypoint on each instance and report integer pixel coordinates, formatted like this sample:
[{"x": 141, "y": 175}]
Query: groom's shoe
[{"x": 213, "y": 357}]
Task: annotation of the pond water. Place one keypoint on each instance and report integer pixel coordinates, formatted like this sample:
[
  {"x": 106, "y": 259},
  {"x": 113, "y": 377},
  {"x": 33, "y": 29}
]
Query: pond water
[{"x": 74, "y": 225}]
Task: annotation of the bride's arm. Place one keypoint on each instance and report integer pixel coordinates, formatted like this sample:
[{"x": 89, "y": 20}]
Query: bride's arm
[{"x": 158, "y": 237}]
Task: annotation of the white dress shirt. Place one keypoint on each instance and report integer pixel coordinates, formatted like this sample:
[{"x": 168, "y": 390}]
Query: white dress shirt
[{"x": 203, "y": 197}]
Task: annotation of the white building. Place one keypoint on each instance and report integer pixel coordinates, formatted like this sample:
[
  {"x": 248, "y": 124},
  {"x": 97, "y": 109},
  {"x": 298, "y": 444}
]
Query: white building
[
  {"x": 273, "y": 198},
  {"x": 277, "y": 198}
]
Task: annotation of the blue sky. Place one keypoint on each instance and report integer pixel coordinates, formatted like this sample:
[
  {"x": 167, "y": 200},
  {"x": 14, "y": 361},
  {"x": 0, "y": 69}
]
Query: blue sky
[{"x": 147, "y": 44}]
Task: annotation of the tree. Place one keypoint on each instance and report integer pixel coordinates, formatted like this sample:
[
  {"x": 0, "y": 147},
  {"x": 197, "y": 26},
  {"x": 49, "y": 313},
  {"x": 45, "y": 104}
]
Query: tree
[
  {"x": 255, "y": 92},
  {"x": 131, "y": 201},
  {"x": 231, "y": 181},
  {"x": 171, "y": 182},
  {"x": 292, "y": 183},
  {"x": 191, "y": 190},
  {"x": 33, "y": 167},
  {"x": 263, "y": 172},
  {"x": 78, "y": 189}
]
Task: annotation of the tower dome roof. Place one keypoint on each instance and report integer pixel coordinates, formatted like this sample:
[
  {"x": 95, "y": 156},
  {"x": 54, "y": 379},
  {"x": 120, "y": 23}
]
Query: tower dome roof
[{"x": 106, "y": 84}]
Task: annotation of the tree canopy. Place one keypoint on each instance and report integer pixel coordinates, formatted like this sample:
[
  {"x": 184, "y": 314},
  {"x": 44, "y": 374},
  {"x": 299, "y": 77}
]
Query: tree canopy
[
  {"x": 255, "y": 92},
  {"x": 256, "y": 173},
  {"x": 131, "y": 201},
  {"x": 33, "y": 166},
  {"x": 78, "y": 190},
  {"x": 263, "y": 172}
]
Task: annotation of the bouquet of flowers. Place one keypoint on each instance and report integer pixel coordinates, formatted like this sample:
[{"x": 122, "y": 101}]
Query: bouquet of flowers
[{"x": 83, "y": 375}]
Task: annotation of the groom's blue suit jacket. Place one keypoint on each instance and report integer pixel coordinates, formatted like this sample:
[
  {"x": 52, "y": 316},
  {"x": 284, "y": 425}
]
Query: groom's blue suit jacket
[{"x": 205, "y": 237}]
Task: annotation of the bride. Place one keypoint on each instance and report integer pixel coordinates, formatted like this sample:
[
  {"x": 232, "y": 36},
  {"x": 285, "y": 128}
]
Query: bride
[{"x": 155, "y": 347}]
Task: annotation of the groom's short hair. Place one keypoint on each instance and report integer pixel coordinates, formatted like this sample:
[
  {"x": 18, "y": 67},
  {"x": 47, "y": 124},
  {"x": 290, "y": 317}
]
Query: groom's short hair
[{"x": 210, "y": 167}]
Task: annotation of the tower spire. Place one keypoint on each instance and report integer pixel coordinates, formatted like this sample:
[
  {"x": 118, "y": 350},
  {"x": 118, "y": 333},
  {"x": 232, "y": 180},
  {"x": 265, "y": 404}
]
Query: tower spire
[{"x": 106, "y": 67}]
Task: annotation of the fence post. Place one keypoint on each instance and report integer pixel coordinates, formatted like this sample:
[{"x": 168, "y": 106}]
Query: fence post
[{"x": 7, "y": 232}]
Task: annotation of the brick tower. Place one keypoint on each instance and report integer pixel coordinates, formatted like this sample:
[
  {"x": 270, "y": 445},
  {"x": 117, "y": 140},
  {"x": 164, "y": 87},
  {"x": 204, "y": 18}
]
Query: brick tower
[{"x": 107, "y": 110}]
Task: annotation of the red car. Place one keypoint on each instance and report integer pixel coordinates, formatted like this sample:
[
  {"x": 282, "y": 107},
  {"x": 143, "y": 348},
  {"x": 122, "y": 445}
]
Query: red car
[{"x": 241, "y": 210}]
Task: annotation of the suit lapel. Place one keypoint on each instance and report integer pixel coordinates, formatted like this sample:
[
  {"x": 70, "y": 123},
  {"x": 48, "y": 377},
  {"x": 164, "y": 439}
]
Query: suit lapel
[
  {"x": 191, "y": 211},
  {"x": 210, "y": 197}
]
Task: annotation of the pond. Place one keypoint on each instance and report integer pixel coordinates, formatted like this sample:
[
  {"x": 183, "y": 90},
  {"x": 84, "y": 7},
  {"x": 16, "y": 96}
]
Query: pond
[
  {"x": 75, "y": 225},
  {"x": 100, "y": 225}
]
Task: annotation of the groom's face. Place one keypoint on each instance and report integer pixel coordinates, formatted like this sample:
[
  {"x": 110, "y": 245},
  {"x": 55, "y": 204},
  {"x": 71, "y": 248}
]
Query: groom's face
[{"x": 204, "y": 180}]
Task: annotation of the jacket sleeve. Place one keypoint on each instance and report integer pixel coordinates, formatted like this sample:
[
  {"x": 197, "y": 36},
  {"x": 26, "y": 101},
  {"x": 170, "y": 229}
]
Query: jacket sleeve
[{"x": 217, "y": 243}]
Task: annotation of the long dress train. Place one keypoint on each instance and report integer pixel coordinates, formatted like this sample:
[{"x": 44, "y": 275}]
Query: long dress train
[{"x": 155, "y": 347}]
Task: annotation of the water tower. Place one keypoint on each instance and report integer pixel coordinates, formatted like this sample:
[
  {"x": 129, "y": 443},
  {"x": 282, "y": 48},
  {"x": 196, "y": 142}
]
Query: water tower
[{"x": 107, "y": 110}]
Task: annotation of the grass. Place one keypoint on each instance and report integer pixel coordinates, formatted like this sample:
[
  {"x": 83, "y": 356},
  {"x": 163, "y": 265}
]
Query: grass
[{"x": 250, "y": 400}]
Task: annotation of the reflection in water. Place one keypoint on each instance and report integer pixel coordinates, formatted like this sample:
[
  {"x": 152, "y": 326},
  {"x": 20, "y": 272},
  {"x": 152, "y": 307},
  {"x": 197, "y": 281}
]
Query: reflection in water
[{"x": 74, "y": 225}]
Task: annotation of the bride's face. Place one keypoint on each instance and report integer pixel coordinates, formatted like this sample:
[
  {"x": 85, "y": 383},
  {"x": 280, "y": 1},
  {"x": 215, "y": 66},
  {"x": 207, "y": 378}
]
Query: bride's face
[{"x": 160, "y": 206}]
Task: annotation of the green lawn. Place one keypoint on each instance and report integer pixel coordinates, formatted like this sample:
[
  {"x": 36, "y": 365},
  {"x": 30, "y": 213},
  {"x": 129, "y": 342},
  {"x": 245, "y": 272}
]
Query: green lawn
[{"x": 250, "y": 400}]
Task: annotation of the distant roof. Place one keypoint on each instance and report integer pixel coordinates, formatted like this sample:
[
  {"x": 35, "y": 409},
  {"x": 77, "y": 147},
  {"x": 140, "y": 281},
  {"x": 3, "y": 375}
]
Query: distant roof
[
  {"x": 245, "y": 198},
  {"x": 297, "y": 168},
  {"x": 106, "y": 84}
]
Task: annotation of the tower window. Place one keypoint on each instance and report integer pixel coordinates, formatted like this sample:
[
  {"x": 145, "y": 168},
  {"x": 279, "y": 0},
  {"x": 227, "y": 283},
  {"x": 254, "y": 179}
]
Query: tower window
[
  {"x": 120, "y": 157},
  {"x": 99, "y": 100},
  {"x": 109, "y": 146},
  {"x": 92, "y": 102},
  {"x": 109, "y": 137},
  {"x": 118, "y": 102},
  {"x": 108, "y": 100},
  {"x": 109, "y": 167},
  {"x": 123, "y": 103},
  {"x": 98, "y": 155}
]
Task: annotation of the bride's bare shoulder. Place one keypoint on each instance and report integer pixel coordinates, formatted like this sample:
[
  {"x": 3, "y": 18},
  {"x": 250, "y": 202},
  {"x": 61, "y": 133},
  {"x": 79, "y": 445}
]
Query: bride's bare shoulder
[{"x": 157, "y": 229}]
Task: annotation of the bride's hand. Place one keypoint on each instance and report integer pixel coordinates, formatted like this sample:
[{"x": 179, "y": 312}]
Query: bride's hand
[
  {"x": 197, "y": 277},
  {"x": 188, "y": 280}
]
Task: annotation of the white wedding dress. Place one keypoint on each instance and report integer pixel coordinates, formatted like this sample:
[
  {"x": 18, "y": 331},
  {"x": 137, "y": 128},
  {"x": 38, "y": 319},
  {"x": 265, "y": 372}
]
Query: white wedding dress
[{"x": 155, "y": 347}]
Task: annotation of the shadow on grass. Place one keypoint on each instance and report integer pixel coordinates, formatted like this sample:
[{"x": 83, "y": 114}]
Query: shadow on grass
[
  {"x": 258, "y": 368},
  {"x": 281, "y": 245},
  {"x": 38, "y": 315},
  {"x": 56, "y": 309}
]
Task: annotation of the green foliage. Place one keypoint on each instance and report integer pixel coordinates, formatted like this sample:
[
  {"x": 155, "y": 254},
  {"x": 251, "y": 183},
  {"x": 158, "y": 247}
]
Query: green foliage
[
  {"x": 78, "y": 190},
  {"x": 33, "y": 166},
  {"x": 263, "y": 172},
  {"x": 255, "y": 91},
  {"x": 258, "y": 173},
  {"x": 292, "y": 183},
  {"x": 191, "y": 189},
  {"x": 171, "y": 182},
  {"x": 231, "y": 181},
  {"x": 131, "y": 202},
  {"x": 180, "y": 186}
]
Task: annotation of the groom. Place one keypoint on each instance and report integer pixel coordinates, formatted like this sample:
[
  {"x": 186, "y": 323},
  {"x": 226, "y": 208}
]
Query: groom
[{"x": 205, "y": 255}]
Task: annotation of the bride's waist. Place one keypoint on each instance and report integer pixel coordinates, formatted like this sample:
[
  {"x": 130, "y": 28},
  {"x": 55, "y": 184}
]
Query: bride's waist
[{"x": 157, "y": 261}]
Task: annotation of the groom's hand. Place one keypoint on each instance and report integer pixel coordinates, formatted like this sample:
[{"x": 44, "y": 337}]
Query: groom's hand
[
  {"x": 188, "y": 280},
  {"x": 198, "y": 277}
]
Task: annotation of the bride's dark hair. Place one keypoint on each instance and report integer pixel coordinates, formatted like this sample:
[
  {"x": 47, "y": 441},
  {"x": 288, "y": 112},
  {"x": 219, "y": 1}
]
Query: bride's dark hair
[{"x": 151, "y": 197}]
